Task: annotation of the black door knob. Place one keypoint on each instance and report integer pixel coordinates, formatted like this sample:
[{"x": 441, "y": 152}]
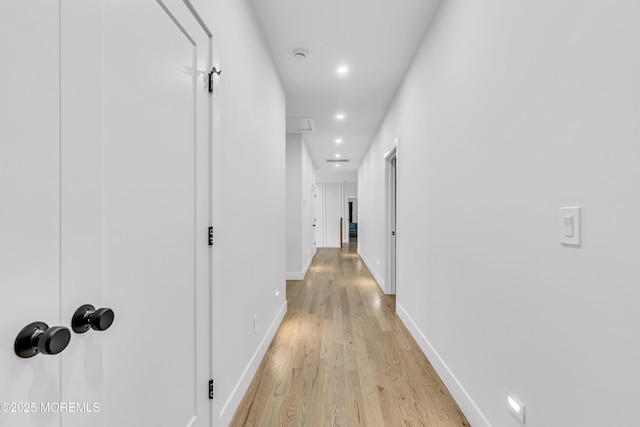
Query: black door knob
[
  {"x": 87, "y": 317},
  {"x": 38, "y": 337}
]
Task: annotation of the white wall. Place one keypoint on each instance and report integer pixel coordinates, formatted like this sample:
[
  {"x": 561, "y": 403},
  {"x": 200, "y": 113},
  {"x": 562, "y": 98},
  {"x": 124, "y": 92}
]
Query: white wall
[
  {"x": 300, "y": 208},
  {"x": 309, "y": 193},
  {"x": 248, "y": 201},
  {"x": 510, "y": 111},
  {"x": 371, "y": 203},
  {"x": 294, "y": 205},
  {"x": 336, "y": 176}
]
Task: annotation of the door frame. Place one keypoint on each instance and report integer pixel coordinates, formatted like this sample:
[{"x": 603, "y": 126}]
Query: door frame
[{"x": 390, "y": 218}]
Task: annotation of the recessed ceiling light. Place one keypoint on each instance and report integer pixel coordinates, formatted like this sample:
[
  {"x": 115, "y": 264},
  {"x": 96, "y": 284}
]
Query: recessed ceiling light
[
  {"x": 337, "y": 155},
  {"x": 343, "y": 70},
  {"x": 340, "y": 116},
  {"x": 337, "y": 165},
  {"x": 339, "y": 141}
]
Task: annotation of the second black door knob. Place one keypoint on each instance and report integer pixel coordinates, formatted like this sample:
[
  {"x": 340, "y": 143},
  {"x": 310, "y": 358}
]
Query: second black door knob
[{"x": 87, "y": 317}]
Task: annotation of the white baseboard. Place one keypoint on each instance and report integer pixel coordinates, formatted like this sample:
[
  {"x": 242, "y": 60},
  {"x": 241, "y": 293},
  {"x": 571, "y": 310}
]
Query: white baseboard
[
  {"x": 231, "y": 405},
  {"x": 374, "y": 273},
  {"x": 299, "y": 275},
  {"x": 460, "y": 395}
]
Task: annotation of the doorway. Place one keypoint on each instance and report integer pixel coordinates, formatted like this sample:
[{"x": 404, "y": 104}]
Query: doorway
[
  {"x": 391, "y": 160},
  {"x": 352, "y": 218}
]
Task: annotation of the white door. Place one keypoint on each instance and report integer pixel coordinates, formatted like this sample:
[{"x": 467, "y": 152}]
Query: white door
[
  {"x": 105, "y": 191},
  {"x": 314, "y": 214},
  {"x": 390, "y": 197},
  {"x": 155, "y": 214},
  {"x": 29, "y": 204},
  {"x": 392, "y": 287}
]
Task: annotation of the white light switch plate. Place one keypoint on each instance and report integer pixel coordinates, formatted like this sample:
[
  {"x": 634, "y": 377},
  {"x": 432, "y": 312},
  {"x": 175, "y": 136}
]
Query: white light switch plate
[
  {"x": 571, "y": 226},
  {"x": 516, "y": 407}
]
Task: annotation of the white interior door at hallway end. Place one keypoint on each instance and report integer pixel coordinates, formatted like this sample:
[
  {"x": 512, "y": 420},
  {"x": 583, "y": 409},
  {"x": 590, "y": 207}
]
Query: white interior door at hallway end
[{"x": 107, "y": 203}]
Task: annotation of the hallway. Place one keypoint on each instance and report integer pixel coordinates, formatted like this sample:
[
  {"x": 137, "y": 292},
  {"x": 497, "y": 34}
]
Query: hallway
[{"x": 343, "y": 358}]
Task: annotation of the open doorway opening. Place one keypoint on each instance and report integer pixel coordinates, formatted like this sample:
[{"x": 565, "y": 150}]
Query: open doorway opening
[
  {"x": 352, "y": 216},
  {"x": 390, "y": 196}
]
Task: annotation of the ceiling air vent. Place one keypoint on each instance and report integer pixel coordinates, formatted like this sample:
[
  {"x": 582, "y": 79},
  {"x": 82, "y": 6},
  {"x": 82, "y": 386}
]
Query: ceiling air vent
[
  {"x": 300, "y": 124},
  {"x": 337, "y": 160}
]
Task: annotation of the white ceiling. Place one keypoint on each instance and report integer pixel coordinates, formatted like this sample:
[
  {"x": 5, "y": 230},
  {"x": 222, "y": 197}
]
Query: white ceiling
[{"x": 376, "y": 39}]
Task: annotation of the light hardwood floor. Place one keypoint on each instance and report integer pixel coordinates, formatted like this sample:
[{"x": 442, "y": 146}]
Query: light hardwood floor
[{"x": 342, "y": 357}]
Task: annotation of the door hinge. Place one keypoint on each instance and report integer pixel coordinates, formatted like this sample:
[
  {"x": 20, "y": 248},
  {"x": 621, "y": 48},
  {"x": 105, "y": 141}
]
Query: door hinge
[
  {"x": 211, "y": 73},
  {"x": 210, "y": 389},
  {"x": 210, "y": 236}
]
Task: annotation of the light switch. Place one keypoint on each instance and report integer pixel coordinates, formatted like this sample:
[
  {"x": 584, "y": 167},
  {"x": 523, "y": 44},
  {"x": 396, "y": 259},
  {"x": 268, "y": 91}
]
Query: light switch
[
  {"x": 571, "y": 226},
  {"x": 568, "y": 226},
  {"x": 516, "y": 407}
]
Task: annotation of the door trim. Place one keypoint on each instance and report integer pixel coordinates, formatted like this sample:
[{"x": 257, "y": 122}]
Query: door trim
[{"x": 390, "y": 220}]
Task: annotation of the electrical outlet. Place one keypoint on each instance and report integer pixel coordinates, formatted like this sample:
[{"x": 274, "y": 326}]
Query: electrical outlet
[{"x": 255, "y": 323}]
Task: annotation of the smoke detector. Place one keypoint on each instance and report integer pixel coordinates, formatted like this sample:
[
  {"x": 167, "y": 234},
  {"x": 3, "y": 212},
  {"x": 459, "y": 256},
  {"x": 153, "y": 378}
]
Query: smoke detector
[{"x": 300, "y": 53}]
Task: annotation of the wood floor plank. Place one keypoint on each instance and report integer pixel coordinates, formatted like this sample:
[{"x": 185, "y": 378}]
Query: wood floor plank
[
  {"x": 355, "y": 405},
  {"x": 342, "y": 357}
]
